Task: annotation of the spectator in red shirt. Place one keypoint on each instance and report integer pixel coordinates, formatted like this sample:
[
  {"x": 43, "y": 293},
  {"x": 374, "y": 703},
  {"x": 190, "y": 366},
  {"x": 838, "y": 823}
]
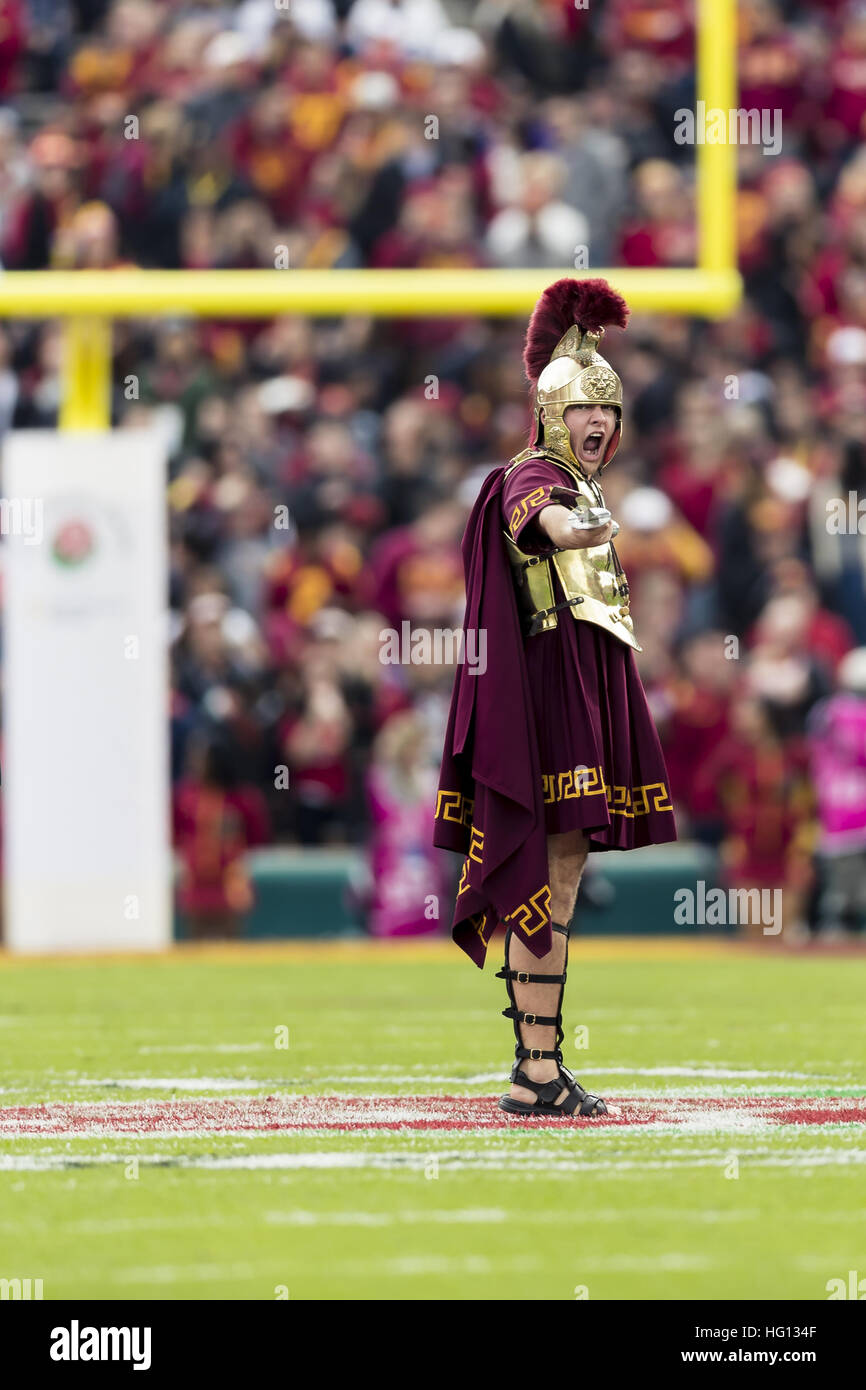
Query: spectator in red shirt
[{"x": 216, "y": 821}]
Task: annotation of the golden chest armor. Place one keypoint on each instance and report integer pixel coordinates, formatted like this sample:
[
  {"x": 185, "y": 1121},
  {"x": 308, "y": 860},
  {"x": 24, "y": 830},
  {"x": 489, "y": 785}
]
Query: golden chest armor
[{"x": 593, "y": 583}]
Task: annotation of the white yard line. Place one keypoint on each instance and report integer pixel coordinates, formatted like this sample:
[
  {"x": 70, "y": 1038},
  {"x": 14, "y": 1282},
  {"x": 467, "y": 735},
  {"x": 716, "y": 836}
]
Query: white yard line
[
  {"x": 408, "y": 1266},
  {"x": 528, "y": 1161},
  {"x": 206, "y": 1047},
  {"x": 497, "y": 1215},
  {"x": 131, "y": 1225}
]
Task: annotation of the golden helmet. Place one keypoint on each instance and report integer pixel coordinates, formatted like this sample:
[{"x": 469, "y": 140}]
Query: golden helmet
[{"x": 563, "y": 363}]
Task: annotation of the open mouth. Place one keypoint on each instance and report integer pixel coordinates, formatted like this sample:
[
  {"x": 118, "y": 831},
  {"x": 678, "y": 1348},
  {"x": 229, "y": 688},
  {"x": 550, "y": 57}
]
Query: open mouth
[{"x": 592, "y": 444}]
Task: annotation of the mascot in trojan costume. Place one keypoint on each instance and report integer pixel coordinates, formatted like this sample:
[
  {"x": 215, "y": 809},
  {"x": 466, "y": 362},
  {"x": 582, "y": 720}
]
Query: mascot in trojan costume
[{"x": 550, "y": 742}]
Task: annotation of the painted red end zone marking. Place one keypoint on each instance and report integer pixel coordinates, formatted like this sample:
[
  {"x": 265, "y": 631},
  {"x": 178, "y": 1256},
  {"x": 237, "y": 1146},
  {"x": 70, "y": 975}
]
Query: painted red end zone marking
[{"x": 294, "y": 1113}]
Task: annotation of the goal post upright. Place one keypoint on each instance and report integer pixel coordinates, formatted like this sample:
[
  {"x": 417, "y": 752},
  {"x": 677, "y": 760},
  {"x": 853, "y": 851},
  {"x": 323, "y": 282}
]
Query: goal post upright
[{"x": 716, "y": 163}]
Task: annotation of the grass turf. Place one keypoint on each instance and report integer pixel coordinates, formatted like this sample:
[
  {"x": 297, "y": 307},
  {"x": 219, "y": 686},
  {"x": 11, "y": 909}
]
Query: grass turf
[{"x": 713, "y": 1209}]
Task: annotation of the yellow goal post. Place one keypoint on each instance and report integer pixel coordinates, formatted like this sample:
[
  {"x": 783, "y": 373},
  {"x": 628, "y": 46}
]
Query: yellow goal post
[{"x": 87, "y": 300}]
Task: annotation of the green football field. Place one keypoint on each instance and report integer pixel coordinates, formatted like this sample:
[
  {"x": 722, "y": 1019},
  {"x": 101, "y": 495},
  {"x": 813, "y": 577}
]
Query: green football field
[{"x": 303, "y": 1121}]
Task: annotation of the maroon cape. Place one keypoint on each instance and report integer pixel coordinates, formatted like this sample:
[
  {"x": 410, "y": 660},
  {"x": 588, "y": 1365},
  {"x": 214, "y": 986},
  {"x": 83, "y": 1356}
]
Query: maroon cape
[
  {"x": 555, "y": 735},
  {"x": 490, "y": 805}
]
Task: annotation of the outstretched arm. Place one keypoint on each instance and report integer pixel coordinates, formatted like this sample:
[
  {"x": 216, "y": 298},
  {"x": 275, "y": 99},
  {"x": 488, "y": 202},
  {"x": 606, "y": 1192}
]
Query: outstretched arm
[{"x": 533, "y": 516}]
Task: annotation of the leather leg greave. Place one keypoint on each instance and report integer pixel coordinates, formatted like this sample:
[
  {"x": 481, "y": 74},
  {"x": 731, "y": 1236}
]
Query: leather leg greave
[{"x": 518, "y": 1015}]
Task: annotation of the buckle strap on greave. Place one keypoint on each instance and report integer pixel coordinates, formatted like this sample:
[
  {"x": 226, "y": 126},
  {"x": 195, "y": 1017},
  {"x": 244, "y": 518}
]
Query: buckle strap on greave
[
  {"x": 522, "y": 1017},
  {"x": 523, "y": 977}
]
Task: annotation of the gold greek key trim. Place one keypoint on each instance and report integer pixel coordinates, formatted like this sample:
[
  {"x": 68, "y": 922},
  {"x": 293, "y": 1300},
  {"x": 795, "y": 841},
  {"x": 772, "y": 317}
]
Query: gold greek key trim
[
  {"x": 538, "y": 906},
  {"x": 661, "y": 799},
  {"x": 476, "y": 850},
  {"x": 479, "y": 922},
  {"x": 454, "y": 807},
  {"x": 528, "y": 917},
  {"x": 531, "y": 502},
  {"x": 621, "y": 800},
  {"x": 574, "y": 782}
]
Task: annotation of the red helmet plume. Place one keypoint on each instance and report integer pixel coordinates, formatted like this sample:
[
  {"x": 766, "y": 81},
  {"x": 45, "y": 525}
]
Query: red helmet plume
[{"x": 590, "y": 303}]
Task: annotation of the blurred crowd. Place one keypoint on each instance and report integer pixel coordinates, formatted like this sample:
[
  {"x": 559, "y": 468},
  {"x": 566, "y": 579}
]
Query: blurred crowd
[{"x": 322, "y": 471}]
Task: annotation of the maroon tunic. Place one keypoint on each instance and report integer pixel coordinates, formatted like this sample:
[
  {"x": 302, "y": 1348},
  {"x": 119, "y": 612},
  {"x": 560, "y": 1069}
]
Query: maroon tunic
[
  {"x": 554, "y": 735},
  {"x": 590, "y": 708}
]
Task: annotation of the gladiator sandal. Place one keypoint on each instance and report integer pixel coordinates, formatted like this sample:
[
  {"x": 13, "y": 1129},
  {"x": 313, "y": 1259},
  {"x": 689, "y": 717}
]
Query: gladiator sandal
[{"x": 547, "y": 1093}]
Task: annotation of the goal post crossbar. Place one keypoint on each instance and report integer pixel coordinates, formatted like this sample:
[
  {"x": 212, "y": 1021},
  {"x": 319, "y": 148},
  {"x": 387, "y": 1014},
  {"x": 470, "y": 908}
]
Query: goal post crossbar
[{"x": 250, "y": 294}]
